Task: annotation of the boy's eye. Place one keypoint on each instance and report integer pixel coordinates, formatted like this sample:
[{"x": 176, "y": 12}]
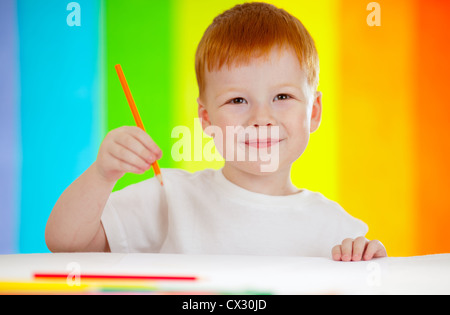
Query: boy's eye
[
  {"x": 237, "y": 100},
  {"x": 282, "y": 97}
]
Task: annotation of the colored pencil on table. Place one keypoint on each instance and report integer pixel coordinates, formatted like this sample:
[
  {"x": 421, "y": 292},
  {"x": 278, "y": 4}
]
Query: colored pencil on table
[
  {"x": 137, "y": 117},
  {"x": 116, "y": 277}
]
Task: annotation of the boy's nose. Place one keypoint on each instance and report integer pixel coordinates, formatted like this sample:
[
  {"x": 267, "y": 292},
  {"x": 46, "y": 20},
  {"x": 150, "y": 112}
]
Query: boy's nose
[{"x": 261, "y": 116}]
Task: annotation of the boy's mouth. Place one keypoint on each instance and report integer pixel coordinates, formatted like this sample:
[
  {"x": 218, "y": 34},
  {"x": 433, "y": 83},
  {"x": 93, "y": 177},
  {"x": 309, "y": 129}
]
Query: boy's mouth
[{"x": 262, "y": 143}]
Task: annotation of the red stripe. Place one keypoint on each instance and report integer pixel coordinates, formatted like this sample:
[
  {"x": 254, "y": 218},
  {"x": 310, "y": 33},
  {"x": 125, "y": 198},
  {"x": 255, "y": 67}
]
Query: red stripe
[{"x": 115, "y": 277}]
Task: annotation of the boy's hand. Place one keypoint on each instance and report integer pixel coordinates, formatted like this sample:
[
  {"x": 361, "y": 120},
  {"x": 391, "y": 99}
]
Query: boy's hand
[
  {"x": 357, "y": 249},
  {"x": 126, "y": 150}
]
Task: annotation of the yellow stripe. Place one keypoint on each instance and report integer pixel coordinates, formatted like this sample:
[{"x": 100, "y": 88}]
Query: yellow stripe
[
  {"x": 85, "y": 286},
  {"x": 316, "y": 169},
  {"x": 46, "y": 287}
]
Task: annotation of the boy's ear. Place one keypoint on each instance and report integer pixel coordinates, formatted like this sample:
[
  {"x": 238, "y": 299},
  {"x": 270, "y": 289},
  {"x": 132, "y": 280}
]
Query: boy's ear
[
  {"x": 316, "y": 114},
  {"x": 203, "y": 114}
]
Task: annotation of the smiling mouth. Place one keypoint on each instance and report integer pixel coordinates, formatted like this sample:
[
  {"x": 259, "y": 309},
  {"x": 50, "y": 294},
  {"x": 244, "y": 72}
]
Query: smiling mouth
[{"x": 262, "y": 143}]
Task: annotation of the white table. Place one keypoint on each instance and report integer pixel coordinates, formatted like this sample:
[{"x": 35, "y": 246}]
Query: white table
[{"x": 235, "y": 274}]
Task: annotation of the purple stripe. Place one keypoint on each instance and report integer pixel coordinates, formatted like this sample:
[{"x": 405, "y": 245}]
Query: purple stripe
[{"x": 8, "y": 127}]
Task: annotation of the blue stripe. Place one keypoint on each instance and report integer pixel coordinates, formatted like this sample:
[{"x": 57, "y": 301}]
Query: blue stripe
[
  {"x": 60, "y": 106},
  {"x": 8, "y": 125}
]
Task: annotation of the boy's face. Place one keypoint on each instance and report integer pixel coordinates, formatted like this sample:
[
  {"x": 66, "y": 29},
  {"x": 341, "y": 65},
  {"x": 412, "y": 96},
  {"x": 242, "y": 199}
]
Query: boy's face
[{"x": 269, "y": 97}]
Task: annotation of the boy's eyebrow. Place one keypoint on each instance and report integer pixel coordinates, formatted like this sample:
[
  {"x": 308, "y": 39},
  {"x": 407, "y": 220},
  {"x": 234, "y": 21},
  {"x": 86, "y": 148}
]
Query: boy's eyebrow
[
  {"x": 278, "y": 86},
  {"x": 227, "y": 90},
  {"x": 287, "y": 85}
]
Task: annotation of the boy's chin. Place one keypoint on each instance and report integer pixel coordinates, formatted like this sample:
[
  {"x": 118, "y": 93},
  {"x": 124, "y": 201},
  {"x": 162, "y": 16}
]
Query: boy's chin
[{"x": 255, "y": 167}]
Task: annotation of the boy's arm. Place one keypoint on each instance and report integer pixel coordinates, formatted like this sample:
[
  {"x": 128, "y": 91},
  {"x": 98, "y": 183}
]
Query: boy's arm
[{"x": 75, "y": 222}]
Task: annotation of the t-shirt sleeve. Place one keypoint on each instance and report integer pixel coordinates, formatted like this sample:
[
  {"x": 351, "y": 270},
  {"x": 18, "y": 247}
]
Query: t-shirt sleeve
[
  {"x": 344, "y": 225},
  {"x": 135, "y": 218},
  {"x": 336, "y": 224}
]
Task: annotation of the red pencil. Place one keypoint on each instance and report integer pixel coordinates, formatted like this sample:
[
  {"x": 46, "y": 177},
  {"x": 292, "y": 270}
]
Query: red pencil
[{"x": 115, "y": 277}]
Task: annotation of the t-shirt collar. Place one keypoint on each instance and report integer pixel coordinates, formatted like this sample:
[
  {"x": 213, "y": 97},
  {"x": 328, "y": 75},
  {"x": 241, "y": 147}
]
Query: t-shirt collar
[{"x": 237, "y": 192}]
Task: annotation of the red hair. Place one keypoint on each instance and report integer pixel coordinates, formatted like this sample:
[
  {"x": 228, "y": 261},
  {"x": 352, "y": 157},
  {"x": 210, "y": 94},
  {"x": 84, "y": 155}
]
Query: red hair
[{"x": 251, "y": 30}]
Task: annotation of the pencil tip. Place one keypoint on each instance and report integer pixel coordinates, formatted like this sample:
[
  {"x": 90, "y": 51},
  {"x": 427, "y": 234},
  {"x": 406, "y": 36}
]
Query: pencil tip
[{"x": 160, "y": 179}]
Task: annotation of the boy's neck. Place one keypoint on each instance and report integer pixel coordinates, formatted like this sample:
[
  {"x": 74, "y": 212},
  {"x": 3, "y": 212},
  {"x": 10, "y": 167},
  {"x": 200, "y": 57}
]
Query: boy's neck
[{"x": 276, "y": 184}]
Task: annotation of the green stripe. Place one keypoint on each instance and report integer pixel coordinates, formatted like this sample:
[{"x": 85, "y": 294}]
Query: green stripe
[{"x": 138, "y": 36}]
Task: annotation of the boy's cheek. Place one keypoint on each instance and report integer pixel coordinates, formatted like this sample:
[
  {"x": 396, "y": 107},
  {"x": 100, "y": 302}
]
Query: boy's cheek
[{"x": 297, "y": 146}]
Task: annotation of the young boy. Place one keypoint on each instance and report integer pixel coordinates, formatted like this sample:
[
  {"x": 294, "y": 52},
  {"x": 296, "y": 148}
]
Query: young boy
[{"x": 257, "y": 69}]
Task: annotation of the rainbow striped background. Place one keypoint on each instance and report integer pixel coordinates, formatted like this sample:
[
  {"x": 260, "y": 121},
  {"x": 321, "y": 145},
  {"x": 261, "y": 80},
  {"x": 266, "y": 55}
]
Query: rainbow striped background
[{"x": 381, "y": 152}]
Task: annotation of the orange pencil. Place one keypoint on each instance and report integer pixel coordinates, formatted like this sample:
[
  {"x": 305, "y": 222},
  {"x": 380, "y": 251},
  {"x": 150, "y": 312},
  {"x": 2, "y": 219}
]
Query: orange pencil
[{"x": 136, "y": 116}]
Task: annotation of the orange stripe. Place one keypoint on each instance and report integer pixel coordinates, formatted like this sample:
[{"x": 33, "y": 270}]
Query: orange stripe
[
  {"x": 375, "y": 129},
  {"x": 432, "y": 120}
]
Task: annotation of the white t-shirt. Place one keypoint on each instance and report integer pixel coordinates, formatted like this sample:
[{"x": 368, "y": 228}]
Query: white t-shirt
[{"x": 204, "y": 213}]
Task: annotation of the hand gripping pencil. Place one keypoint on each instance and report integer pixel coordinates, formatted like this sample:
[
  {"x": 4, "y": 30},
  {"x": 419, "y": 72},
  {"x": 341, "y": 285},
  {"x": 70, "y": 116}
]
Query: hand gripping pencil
[{"x": 136, "y": 116}]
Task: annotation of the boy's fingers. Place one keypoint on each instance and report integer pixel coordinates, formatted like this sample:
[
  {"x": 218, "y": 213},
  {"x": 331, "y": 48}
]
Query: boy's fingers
[
  {"x": 374, "y": 249},
  {"x": 126, "y": 157},
  {"x": 118, "y": 165},
  {"x": 346, "y": 249},
  {"x": 336, "y": 252},
  {"x": 145, "y": 140},
  {"x": 359, "y": 245},
  {"x": 134, "y": 145}
]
